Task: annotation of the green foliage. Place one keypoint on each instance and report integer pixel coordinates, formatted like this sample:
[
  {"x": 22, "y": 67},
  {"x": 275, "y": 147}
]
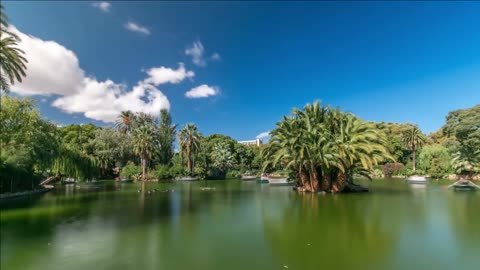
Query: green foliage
[
  {"x": 131, "y": 171},
  {"x": 162, "y": 172},
  {"x": 233, "y": 174},
  {"x": 12, "y": 59},
  {"x": 166, "y": 137},
  {"x": 110, "y": 149},
  {"x": 321, "y": 143},
  {"x": 72, "y": 163},
  {"x": 200, "y": 172},
  {"x": 222, "y": 157},
  {"x": 435, "y": 159},
  {"x": 28, "y": 144},
  {"x": 189, "y": 141}
]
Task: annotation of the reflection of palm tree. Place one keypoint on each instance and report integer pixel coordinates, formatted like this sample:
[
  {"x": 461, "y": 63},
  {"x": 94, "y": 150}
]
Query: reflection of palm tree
[
  {"x": 335, "y": 233},
  {"x": 414, "y": 138},
  {"x": 12, "y": 61},
  {"x": 189, "y": 139}
]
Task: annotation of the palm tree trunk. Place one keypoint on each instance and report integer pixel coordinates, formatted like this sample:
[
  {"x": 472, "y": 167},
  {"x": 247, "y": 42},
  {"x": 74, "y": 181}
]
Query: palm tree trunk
[
  {"x": 414, "y": 157},
  {"x": 189, "y": 165},
  {"x": 144, "y": 168},
  {"x": 313, "y": 179}
]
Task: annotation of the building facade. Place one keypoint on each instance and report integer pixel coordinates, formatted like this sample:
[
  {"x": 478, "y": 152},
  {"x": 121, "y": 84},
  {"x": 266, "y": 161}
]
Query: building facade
[{"x": 256, "y": 142}]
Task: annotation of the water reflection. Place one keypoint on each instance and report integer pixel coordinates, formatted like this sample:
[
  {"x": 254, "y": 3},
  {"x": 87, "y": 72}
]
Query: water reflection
[{"x": 241, "y": 225}]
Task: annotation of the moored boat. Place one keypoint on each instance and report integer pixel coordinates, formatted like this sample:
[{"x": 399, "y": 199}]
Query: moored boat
[
  {"x": 126, "y": 180},
  {"x": 68, "y": 180},
  {"x": 415, "y": 179},
  {"x": 186, "y": 178},
  {"x": 278, "y": 180},
  {"x": 464, "y": 185},
  {"x": 249, "y": 177}
]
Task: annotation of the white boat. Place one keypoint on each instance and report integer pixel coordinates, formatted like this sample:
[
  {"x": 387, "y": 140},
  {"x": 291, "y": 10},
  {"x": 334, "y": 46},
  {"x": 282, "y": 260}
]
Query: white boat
[
  {"x": 249, "y": 177},
  {"x": 69, "y": 180},
  {"x": 187, "y": 178},
  {"x": 278, "y": 180},
  {"x": 415, "y": 179}
]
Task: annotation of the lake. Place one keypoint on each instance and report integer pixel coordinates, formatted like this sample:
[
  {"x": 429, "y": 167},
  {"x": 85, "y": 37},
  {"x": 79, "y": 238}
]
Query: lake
[{"x": 241, "y": 225}]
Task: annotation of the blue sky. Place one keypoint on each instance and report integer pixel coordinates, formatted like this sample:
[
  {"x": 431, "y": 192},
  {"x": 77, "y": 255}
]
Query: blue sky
[{"x": 384, "y": 61}]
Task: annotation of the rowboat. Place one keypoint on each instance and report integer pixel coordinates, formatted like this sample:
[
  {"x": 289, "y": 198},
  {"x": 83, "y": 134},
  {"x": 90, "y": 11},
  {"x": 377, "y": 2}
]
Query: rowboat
[{"x": 464, "y": 185}]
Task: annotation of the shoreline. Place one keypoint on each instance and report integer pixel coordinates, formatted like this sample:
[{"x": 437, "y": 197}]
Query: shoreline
[{"x": 6, "y": 196}]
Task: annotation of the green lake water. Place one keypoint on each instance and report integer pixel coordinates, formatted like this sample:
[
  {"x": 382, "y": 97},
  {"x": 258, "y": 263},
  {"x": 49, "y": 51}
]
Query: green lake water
[{"x": 241, "y": 225}]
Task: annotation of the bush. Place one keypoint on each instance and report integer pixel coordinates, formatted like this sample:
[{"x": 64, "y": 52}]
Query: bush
[
  {"x": 233, "y": 174},
  {"x": 162, "y": 172},
  {"x": 200, "y": 172},
  {"x": 177, "y": 170},
  {"x": 390, "y": 169},
  {"x": 131, "y": 171}
]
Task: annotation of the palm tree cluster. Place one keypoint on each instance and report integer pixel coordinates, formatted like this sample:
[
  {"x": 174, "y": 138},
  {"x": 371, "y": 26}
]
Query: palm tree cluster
[
  {"x": 12, "y": 61},
  {"x": 142, "y": 130},
  {"x": 324, "y": 147}
]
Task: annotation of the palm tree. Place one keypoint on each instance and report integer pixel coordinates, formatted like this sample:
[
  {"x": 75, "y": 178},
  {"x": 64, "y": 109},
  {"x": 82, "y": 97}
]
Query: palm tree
[
  {"x": 144, "y": 145},
  {"x": 414, "y": 138},
  {"x": 12, "y": 61},
  {"x": 125, "y": 121},
  {"x": 323, "y": 144},
  {"x": 189, "y": 139},
  {"x": 222, "y": 157}
]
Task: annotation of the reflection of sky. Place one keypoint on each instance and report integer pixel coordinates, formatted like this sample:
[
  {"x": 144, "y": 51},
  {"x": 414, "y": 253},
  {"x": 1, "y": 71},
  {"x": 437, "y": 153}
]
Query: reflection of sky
[
  {"x": 224, "y": 229},
  {"x": 430, "y": 242}
]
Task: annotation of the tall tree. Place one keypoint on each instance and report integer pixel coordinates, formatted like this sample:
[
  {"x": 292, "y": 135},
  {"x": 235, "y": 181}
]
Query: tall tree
[
  {"x": 189, "y": 138},
  {"x": 414, "y": 138},
  {"x": 144, "y": 145},
  {"x": 12, "y": 60},
  {"x": 125, "y": 121},
  {"x": 166, "y": 137}
]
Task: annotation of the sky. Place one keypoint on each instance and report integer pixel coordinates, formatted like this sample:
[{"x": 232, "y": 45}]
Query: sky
[{"x": 237, "y": 68}]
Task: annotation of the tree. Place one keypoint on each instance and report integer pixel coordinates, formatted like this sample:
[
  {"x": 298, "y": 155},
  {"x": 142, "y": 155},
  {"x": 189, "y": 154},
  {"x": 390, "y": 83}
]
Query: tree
[
  {"x": 464, "y": 125},
  {"x": 324, "y": 144},
  {"x": 144, "y": 144},
  {"x": 189, "y": 138},
  {"x": 12, "y": 61},
  {"x": 222, "y": 157},
  {"x": 414, "y": 138},
  {"x": 125, "y": 121},
  {"x": 434, "y": 159},
  {"x": 166, "y": 137},
  {"x": 110, "y": 148}
]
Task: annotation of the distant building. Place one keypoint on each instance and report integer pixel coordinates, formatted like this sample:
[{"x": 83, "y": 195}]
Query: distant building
[{"x": 256, "y": 142}]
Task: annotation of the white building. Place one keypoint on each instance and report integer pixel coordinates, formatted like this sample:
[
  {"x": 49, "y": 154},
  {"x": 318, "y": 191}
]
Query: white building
[{"x": 256, "y": 142}]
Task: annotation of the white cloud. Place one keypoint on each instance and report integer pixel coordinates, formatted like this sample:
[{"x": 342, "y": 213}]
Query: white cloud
[
  {"x": 102, "y": 5},
  {"x": 202, "y": 91},
  {"x": 197, "y": 51},
  {"x": 104, "y": 101},
  {"x": 135, "y": 27},
  {"x": 263, "y": 135},
  {"x": 215, "y": 57},
  {"x": 51, "y": 68},
  {"x": 160, "y": 75},
  {"x": 54, "y": 70}
]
